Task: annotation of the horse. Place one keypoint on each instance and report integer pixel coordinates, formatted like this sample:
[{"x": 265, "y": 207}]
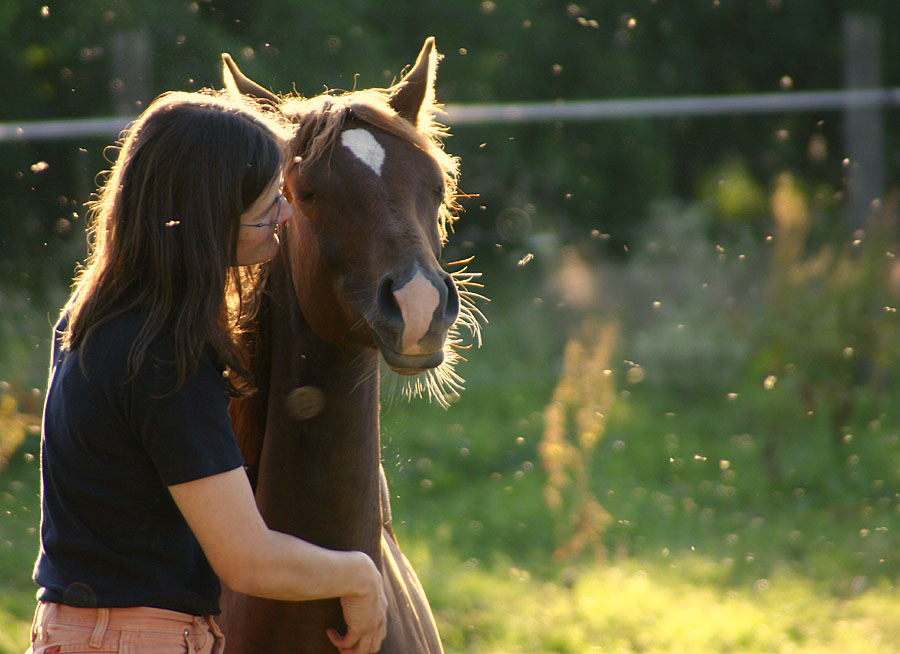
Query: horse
[{"x": 357, "y": 279}]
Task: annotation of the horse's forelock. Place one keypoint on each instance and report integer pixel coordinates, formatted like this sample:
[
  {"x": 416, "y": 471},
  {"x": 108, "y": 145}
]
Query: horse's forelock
[{"x": 320, "y": 119}]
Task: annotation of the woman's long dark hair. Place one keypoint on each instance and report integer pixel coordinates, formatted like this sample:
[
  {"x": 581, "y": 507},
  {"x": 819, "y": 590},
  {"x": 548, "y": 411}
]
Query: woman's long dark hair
[{"x": 164, "y": 230}]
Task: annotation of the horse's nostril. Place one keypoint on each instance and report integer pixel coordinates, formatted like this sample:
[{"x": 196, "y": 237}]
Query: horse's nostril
[
  {"x": 451, "y": 308},
  {"x": 387, "y": 303}
]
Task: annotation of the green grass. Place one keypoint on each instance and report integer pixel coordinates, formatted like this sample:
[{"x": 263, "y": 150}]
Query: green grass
[
  {"x": 681, "y": 602},
  {"x": 685, "y": 606},
  {"x": 19, "y": 518},
  {"x": 738, "y": 523}
]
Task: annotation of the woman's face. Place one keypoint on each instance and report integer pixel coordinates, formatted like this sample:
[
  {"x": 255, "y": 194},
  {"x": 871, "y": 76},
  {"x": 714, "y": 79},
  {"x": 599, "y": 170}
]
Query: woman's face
[{"x": 258, "y": 240}]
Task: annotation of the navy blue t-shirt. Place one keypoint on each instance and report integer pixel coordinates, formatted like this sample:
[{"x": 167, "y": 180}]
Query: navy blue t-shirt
[{"x": 111, "y": 534}]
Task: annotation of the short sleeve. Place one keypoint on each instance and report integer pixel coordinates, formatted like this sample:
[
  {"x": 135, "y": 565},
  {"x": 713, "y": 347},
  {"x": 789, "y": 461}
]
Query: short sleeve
[{"x": 187, "y": 434}]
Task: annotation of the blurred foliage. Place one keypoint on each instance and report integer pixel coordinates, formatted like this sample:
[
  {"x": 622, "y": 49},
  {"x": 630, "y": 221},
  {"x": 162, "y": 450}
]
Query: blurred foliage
[
  {"x": 744, "y": 412},
  {"x": 724, "y": 494},
  {"x": 763, "y": 409},
  {"x": 574, "y": 423},
  {"x": 19, "y": 522},
  {"x": 830, "y": 330},
  {"x": 745, "y": 432},
  {"x": 15, "y": 423},
  {"x": 98, "y": 57},
  {"x": 538, "y": 186}
]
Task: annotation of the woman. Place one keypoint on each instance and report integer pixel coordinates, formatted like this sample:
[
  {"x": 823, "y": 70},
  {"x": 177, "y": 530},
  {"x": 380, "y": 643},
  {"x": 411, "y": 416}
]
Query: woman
[{"x": 145, "y": 503}]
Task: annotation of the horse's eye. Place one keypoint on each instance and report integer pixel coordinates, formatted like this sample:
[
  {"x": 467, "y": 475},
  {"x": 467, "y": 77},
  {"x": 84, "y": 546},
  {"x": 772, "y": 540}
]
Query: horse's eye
[
  {"x": 439, "y": 192},
  {"x": 306, "y": 197}
]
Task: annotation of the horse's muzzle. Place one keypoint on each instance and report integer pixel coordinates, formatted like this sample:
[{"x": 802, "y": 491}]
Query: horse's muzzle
[{"x": 415, "y": 310}]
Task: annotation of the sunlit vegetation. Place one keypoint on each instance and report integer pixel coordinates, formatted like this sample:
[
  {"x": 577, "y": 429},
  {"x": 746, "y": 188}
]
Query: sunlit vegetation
[
  {"x": 680, "y": 433},
  {"x": 659, "y": 467},
  {"x": 19, "y": 518},
  {"x": 574, "y": 423},
  {"x": 682, "y": 607},
  {"x": 735, "y": 416}
]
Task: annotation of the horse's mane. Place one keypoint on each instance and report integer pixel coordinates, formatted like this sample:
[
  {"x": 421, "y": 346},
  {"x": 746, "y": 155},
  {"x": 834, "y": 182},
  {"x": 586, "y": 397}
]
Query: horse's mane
[{"x": 320, "y": 119}]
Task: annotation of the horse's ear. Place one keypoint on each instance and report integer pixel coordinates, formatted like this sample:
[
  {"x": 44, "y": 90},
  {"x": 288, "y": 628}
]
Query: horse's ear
[
  {"x": 238, "y": 83},
  {"x": 415, "y": 91}
]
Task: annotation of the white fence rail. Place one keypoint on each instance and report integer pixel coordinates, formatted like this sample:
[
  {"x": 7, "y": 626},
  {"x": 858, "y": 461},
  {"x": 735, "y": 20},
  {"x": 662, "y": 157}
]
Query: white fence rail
[
  {"x": 583, "y": 110},
  {"x": 674, "y": 107}
]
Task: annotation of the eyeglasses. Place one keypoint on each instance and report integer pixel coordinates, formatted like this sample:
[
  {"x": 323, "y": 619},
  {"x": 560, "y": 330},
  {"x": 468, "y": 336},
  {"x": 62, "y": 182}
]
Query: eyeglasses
[{"x": 278, "y": 201}]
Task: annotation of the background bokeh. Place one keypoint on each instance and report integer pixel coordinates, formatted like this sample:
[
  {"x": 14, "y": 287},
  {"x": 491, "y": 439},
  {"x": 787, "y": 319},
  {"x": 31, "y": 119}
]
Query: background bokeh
[{"x": 686, "y": 395}]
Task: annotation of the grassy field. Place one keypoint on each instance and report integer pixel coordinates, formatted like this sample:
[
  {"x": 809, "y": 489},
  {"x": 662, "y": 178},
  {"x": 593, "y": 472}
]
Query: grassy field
[
  {"x": 684, "y": 607},
  {"x": 682, "y": 602},
  {"x": 605, "y": 486},
  {"x": 675, "y": 579},
  {"x": 19, "y": 518}
]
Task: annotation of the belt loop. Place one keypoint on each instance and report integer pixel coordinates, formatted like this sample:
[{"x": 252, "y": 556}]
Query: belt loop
[
  {"x": 38, "y": 611},
  {"x": 100, "y": 628},
  {"x": 48, "y": 613},
  {"x": 213, "y": 626},
  {"x": 202, "y": 629},
  {"x": 218, "y": 636}
]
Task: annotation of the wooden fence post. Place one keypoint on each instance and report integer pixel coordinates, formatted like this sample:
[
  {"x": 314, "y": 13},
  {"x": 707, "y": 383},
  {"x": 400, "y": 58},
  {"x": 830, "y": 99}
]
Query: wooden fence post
[
  {"x": 130, "y": 83},
  {"x": 863, "y": 130}
]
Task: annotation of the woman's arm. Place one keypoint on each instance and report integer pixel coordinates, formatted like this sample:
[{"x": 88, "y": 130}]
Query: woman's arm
[{"x": 254, "y": 560}]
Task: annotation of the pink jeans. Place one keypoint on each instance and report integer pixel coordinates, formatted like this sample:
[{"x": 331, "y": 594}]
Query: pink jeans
[{"x": 59, "y": 629}]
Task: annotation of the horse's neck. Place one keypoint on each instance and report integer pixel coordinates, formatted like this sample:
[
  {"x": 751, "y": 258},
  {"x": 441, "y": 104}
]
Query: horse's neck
[{"x": 319, "y": 475}]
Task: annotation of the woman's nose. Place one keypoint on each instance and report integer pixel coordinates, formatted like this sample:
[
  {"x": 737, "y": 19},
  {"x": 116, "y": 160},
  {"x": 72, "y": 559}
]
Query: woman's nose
[{"x": 287, "y": 210}]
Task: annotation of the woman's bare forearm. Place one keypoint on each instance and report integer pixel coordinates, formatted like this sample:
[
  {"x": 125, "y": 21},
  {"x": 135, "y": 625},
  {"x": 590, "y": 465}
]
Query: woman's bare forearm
[
  {"x": 286, "y": 568},
  {"x": 255, "y": 560}
]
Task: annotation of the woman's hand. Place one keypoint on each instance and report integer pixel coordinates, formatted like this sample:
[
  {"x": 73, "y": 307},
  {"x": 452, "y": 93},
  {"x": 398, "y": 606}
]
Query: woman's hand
[{"x": 365, "y": 614}]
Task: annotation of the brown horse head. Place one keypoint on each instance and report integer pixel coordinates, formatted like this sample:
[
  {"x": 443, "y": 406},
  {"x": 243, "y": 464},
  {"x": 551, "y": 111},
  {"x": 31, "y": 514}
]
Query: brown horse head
[{"x": 374, "y": 194}]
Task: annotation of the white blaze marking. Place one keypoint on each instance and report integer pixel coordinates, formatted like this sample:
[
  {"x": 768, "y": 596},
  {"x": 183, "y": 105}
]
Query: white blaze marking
[
  {"x": 417, "y": 300},
  {"x": 362, "y": 144}
]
